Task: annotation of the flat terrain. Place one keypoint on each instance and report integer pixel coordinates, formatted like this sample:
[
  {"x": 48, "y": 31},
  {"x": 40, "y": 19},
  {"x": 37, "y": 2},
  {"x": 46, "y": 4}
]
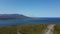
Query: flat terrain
[
  {"x": 32, "y": 29},
  {"x": 27, "y": 29},
  {"x": 57, "y": 29},
  {"x": 49, "y": 29},
  {"x": 8, "y": 30}
]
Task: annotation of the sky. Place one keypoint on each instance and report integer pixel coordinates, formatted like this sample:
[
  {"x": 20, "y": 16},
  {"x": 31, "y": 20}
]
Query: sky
[{"x": 31, "y": 8}]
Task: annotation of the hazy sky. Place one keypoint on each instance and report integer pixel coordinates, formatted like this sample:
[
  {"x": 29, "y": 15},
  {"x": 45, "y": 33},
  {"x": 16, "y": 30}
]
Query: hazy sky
[{"x": 32, "y": 8}]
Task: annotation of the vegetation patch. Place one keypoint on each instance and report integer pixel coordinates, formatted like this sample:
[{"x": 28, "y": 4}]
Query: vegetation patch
[{"x": 57, "y": 29}]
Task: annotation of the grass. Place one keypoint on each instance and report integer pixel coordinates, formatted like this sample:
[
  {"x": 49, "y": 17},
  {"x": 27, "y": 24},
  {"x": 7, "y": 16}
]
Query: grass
[
  {"x": 32, "y": 29},
  {"x": 57, "y": 29},
  {"x": 8, "y": 30},
  {"x": 28, "y": 29}
]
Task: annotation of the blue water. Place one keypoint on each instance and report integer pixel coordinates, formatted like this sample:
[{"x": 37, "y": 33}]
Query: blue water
[
  {"x": 7, "y": 22},
  {"x": 21, "y": 22}
]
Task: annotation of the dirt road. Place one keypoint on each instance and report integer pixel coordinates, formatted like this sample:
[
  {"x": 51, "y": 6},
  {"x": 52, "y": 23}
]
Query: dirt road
[{"x": 49, "y": 29}]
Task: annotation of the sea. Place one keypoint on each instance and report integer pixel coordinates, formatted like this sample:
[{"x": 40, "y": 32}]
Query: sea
[{"x": 28, "y": 22}]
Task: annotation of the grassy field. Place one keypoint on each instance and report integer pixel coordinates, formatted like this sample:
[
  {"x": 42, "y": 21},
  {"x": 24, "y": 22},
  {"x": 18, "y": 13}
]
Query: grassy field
[
  {"x": 32, "y": 29},
  {"x": 8, "y": 30},
  {"x": 57, "y": 29},
  {"x": 27, "y": 29}
]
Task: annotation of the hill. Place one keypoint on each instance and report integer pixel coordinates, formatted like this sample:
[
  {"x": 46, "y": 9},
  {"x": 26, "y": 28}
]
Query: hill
[{"x": 12, "y": 16}]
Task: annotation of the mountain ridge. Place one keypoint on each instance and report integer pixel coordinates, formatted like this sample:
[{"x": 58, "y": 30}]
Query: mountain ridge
[
  {"x": 15, "y": 16},
  {"x": 12, "y": 16}
]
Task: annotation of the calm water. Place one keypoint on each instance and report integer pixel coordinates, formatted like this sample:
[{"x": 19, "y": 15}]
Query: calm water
[
  {"x": 21, "y": 22},
  {"x": 7, "y": 22}
]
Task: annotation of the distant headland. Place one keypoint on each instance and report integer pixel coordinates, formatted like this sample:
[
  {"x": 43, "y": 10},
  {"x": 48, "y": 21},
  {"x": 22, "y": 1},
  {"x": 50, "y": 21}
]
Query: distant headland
[{"x": 12, "y": 16}]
